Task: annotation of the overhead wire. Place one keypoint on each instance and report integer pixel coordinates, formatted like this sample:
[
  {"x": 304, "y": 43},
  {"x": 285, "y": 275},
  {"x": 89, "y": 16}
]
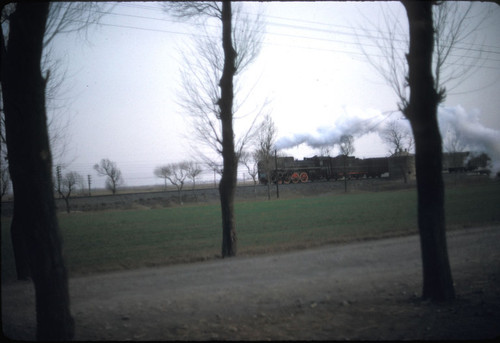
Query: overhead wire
[{"x": 295, "y": 36}]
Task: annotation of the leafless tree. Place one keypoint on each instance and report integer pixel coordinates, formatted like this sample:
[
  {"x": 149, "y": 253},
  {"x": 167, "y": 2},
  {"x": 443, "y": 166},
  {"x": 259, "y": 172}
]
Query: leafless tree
[
  {"x": 325, "y": 150},
  {"x": 453, "y": 141},
  {"x": 162, "y": 173},
  {"x": 266, "y": 140},
  {"x": 421, "y": 80},
  {"x": 397, "y": 137},
  {"x": 249, "y": 160},
  {"x": 176, "y": 173},
  {"x": 34, "y": 229},
  {"x": 110, "y": 170},
  {"x": 67, "y": 185},
  {"x": 346, "y": 145},
  {"x": 193, "y": 170},
  {"x": 210, "y": 86},
  {"x": 421, "y": 111},
  {"x": 400, "y": 142}
]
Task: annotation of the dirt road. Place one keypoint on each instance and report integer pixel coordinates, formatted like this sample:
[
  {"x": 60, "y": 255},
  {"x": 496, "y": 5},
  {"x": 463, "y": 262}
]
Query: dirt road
[{"x": 363, "y": 290}]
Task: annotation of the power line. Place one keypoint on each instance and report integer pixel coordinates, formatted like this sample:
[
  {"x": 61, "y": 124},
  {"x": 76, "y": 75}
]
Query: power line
[
  {"x": 297, "y": 46},
  {"x": 294, "y": 26}
]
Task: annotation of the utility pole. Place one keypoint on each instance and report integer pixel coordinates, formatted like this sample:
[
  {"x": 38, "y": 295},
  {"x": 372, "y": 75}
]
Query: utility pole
[
  {"x": 276, "y": 173},
  {"x": 89, "y": 179},
  {"x": 345, "y": 174},
  {"x": 59, "y": 177}
]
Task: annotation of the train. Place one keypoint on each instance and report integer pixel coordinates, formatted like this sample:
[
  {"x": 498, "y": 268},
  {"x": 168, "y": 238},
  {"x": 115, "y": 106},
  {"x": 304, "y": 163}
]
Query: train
[
  {"x": 318, "y": 168},
  {"x": 400, "y": 165}
]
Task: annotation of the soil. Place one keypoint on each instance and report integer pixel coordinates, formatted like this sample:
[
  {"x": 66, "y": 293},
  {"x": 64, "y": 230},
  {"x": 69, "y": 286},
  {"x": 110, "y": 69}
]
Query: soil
[{"x": 356, "y": 291}]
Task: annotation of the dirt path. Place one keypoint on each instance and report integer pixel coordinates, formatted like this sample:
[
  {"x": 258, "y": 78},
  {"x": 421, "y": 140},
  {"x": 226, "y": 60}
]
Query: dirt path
[{"x": 366, "y": 290}]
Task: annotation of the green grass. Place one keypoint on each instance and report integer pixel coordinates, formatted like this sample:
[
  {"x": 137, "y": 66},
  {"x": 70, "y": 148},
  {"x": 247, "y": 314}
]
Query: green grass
[{"x": 113, "y": 240}]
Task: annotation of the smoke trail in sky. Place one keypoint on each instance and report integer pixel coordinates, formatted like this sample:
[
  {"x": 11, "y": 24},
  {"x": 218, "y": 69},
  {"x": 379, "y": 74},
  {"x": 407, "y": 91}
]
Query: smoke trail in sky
[{"x": 325, "y": 136}]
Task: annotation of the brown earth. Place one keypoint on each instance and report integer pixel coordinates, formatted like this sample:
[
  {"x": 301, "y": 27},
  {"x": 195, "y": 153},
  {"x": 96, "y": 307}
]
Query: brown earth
[{"x": 356, "y": 291}]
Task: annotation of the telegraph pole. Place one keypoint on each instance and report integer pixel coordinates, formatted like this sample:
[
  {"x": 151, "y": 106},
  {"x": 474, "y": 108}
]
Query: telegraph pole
[
  {"x": 59, "y": 177},
  {"x": 89, "y": 179},
  {"x": 276, "y": 173}
]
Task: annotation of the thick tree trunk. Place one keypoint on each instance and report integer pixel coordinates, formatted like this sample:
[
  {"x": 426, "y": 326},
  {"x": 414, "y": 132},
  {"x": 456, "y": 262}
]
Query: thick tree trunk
[
  {"x": 30, "y": 166},
  {"x": 227, "y": 183},
  {"x": 422, "y": 113}
]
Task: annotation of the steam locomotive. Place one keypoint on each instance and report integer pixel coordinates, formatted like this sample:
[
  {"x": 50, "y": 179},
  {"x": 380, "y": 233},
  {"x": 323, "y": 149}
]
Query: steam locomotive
[{"x": 288, "y": 170}]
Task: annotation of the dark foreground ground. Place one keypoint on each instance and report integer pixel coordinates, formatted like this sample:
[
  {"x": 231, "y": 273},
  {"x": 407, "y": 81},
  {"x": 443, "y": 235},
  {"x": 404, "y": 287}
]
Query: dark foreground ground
[{"x": 356, "y": 291}]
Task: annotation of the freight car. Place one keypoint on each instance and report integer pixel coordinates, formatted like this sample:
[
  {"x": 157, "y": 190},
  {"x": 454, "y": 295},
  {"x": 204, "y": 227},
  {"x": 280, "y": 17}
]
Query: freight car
[{"x": 288, "y": 170}]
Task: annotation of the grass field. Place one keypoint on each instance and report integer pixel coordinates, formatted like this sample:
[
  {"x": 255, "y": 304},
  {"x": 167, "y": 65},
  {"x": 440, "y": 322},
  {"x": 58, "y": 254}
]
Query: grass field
[{"x": 114, "y": 240}]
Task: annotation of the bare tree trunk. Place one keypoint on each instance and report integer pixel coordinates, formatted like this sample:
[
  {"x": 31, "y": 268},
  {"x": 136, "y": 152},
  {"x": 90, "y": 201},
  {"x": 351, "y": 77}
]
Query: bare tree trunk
[
  {"x": 66, "y": 200},
  {"x": 30, "y": 164},
  {"x": 227, "y": 183},
  {"x": 422, "y": 113}
]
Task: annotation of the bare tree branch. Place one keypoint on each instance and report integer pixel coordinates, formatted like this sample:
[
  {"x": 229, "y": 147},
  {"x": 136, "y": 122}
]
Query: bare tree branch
[{"x": 453, "y": 25}]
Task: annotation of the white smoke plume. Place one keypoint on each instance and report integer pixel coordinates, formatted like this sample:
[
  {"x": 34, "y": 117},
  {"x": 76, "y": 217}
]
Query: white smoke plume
[
  {"x": 356, "y": 125},
  {"x": 474, "y": 136}
]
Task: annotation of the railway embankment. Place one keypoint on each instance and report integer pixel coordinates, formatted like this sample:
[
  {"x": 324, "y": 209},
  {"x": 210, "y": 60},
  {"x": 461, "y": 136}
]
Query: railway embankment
[{"x": 137, "y": 200}]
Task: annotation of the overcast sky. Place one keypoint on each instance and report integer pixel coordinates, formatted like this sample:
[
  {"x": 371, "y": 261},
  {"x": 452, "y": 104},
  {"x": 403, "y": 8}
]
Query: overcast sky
[{"x": 122, "y": 83}]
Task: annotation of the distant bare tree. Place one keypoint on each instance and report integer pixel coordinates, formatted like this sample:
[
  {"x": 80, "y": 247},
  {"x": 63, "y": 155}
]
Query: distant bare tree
[
  {"x": 209, "y": 90},
  {"x": 266, "y": 140},
  {"x": 250, "y": 162},
  {"x": 193, "y": 170},
  {"x": 67, "y": 185},
  {"x": 176, "y": 173},
  {"x": 162, "y": 172},
  {"x": 114, "y": 175},
  {"x": 400, "y": 142},
  {"x": 453, "y": 141},
  {"x": 397, "y": 137},
  {"x": 346, "y": 149},
  {"x": 325, "y": 150}
]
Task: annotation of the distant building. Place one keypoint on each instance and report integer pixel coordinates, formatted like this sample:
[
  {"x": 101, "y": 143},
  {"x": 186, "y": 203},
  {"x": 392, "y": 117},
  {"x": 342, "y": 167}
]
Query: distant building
[
  {"x": 455, "y": 161},
  {"x": 402, "y": 165}
]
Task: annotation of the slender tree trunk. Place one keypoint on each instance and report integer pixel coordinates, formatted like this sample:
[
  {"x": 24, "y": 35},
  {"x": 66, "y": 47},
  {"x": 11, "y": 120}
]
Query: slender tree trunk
[
  {"x": 227, "y": 183},
  {"x": 66, "y": 200},
  {"x": 30, "y": 164},
  {"x": 422, "y": 113}
]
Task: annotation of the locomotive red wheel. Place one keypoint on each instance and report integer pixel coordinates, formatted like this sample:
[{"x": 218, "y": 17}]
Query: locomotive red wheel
[
  {"x": 295, "y": 177},
  {"x": 304, "y": 177},
  {"x": 287, "y": 179}
]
